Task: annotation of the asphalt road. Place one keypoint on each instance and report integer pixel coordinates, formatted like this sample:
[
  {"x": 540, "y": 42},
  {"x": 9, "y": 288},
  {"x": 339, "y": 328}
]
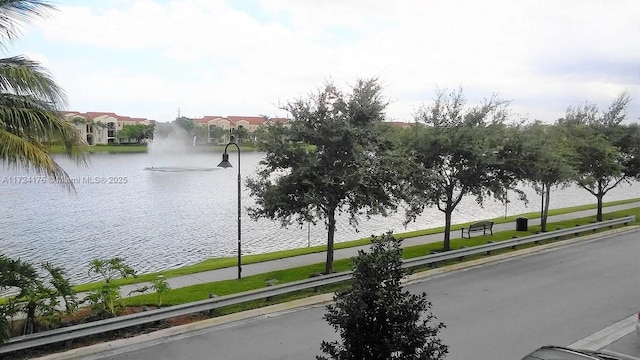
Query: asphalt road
[
  {"x": 498, "y": 311},
  {"x": 628, "y": 345}
]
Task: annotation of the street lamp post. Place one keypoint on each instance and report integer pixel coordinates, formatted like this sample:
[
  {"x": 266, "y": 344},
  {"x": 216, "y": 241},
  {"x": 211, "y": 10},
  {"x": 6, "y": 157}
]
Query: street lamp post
[{"x": 226, "y": 164}]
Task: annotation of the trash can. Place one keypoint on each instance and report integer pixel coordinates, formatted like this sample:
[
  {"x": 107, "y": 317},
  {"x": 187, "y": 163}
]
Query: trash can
[{"x": 522, "y": 224}]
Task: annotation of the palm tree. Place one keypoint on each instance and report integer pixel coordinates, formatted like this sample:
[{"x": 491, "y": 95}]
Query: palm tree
[{"x": 30, "y": 104}]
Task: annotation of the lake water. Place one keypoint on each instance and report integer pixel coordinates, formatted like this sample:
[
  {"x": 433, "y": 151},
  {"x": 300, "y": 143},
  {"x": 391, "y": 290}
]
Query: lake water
[{"x": 165, "y": 211}]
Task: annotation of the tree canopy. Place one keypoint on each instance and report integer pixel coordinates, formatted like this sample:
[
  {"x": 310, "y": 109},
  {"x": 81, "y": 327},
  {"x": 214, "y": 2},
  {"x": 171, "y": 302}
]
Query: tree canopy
[
  {"x": 605, "y": 152},
  {"x": 332, "y": 157},
  {"x": 375, "y": 318},
  {"x": 548, "y": 162},
  {"x": 452, "y": 151},
  {"x": 137, "y": 132}
]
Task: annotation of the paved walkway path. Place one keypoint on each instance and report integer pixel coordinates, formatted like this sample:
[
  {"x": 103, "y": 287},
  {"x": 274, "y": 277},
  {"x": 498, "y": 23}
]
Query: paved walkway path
[{"x": 309, "y": 259}]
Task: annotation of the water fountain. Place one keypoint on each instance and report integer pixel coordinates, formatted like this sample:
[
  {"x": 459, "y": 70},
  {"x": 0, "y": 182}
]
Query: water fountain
[{"x": 173, "y": 150}]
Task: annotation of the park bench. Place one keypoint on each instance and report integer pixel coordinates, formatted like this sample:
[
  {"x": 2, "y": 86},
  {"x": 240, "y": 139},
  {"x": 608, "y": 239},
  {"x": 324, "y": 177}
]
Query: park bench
[{"x": 483, "y": 226}]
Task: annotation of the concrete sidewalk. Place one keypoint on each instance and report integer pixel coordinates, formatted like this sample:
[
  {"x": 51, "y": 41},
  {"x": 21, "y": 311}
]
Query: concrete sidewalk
[{"x": 309, "y": 259}]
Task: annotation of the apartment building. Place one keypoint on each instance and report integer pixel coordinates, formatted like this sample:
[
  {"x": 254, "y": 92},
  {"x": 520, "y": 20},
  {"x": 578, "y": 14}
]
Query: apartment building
[
  {"x": 220, "y": 129},
  {"x": 101, "y": 127}
]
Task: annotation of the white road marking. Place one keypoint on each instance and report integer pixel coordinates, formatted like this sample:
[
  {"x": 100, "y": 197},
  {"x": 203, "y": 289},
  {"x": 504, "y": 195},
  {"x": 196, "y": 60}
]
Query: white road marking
[{"x": 606, "y": 336}]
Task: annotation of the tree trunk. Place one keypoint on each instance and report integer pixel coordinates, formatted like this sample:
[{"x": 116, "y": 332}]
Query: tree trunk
[
  {"x": 543, "y": 223},
  {"x": 546, "y": 190},
  {"x": 446, "y": 246},
  {"x": 30, "y": 320},
  {"x": 331, "y": 228},
  {"x": 599, "y": 196}
]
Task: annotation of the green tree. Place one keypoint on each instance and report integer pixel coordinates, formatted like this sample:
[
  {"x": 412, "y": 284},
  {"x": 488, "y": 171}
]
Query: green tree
[
  {"x": 78, "y": 120},
  {"x": 241, "y": 134},
  {"x": 629, "y": 145},
  {"x": 150, "y": 130},
  {"x": 375, "y": 318},
  {"x": 37, "y": 300},
  {"x": 201, "y": 133},
  {"x": 192, "y": 129},
  {"x": 185, "y": 123},
  {"x": 454, "y": 151},
  {"x": 5, "y": 322},
  {"x": 546, "y": 160},
  {"x": 216, "y": 132},
  {"x": 30, "y": 101},
  {"x": 137, "y": 132},
  {"x": 129, "y": 132},
  {"x": 602, "y": 158},
  {"x": 333, "y": 158},
  {"x": 24, "y": 277},
  {"x": 40, "y": 303}
]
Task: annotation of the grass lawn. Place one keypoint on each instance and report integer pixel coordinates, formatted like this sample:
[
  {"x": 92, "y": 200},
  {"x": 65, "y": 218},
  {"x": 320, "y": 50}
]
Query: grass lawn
[
  {"x": 218, "y": 263},
  {"x": 116, "y": 148},
  {"x": 227, "y": 287}
]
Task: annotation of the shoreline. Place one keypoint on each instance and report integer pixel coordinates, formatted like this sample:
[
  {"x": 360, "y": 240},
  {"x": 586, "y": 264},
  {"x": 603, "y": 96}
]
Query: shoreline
[
  {"x": 230, "y": 262},
  {"x": 144, "y": 148}
]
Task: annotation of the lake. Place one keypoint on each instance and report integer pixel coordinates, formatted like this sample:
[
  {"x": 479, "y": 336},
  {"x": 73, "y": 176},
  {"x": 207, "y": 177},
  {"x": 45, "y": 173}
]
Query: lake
[{"x": 161, "y": 211}]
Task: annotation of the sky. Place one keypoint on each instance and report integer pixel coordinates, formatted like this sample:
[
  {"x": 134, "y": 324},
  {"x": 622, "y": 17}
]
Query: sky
[{"x": 156, "y": 59}]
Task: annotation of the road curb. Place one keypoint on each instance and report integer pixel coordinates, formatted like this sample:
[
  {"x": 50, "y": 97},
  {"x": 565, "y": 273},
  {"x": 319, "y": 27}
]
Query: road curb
[{"x": 145, "y": 340}]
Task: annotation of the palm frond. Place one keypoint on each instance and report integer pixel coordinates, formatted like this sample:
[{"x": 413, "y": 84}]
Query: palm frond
[
  {"x": 21, "y": 76},
  {"x": 29, "y": 103},
  {"x": 30, "y": 117},
  {"x": 18, "y": 151},
  {"x": 27, "y": 114},
  {"x": 26, "y": 125},
  {"x": 15, "y": 13}
]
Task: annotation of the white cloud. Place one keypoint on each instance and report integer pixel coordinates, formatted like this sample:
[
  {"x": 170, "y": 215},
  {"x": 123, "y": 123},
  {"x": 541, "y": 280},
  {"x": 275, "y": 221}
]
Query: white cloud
[{"x": 544, "y": 55}]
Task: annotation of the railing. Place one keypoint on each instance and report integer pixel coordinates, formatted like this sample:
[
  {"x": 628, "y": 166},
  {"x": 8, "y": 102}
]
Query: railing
[
  {"x": 146, "y": 317},
  {"x": 513, "y": 243}
]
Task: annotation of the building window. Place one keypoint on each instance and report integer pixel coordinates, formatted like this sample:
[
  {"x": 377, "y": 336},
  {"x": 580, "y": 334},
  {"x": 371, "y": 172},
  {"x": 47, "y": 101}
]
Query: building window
[{"x": 111, "y": 130}]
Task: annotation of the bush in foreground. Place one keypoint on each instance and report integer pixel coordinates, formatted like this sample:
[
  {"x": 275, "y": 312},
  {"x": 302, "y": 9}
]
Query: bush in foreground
[{"x": 375, "y": 318}]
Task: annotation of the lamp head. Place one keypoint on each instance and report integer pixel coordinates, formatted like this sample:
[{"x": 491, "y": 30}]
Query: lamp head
[{"x": 225, "y": 161}]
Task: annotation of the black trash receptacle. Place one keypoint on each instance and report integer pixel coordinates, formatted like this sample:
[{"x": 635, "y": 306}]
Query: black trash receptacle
[{"x": 522, "y": 224}]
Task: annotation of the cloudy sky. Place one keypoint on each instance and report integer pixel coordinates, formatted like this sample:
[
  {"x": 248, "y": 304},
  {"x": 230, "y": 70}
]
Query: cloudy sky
[{"x": 149, "y": 58}]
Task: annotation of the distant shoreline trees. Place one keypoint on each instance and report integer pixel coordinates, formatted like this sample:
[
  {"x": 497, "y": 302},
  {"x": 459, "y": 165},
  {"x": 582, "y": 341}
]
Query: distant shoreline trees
[{"x": 136, "y": 132}]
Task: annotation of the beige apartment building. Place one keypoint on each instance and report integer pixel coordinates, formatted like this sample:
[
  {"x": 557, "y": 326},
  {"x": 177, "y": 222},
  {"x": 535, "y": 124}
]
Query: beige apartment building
[
  {"x": 101, "y": 127},
  {"x": 230, "y": 124}
]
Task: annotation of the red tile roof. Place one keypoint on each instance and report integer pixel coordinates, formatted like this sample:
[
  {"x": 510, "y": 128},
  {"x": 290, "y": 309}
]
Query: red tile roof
[
  {"x": 92, "y": 115},
  {"x": 234, "y": 119},
  {"x": 207, "y": 118},
  {"x": 254, "y": 120}
]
